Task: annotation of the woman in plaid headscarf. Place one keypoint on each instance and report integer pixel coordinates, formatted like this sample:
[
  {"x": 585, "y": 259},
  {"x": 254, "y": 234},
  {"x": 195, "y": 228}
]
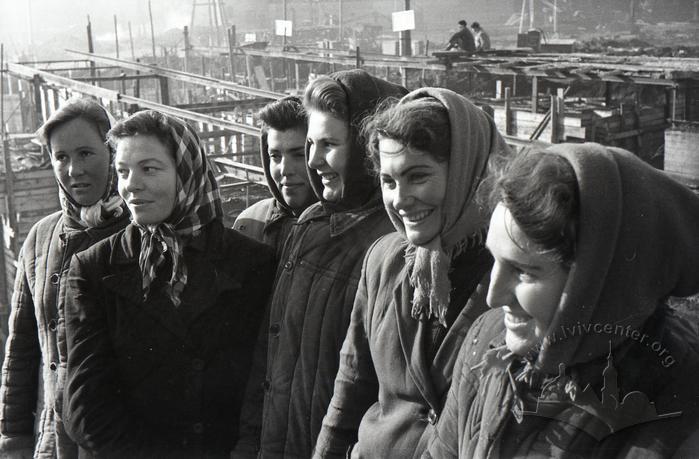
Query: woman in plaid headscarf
[{"x": 162, "y": 316}]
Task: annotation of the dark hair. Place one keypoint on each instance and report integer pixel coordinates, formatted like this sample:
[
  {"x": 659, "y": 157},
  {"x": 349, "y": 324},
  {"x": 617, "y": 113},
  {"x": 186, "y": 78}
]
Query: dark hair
[
  {"x": 476, "y": 25},
  {"x": 463, "y": 22},
  {"x": 146, "y": 122},
  {"x": 283, "y": 114},
  {"x": 419, "y": 123},
  {"x": 540, "y": 190},
  {"x": 327, "y": 95},
  {"x": 87, "y": 109}
]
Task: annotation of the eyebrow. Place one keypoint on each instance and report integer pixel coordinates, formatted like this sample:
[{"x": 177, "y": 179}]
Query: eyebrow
[
  {"x": 517, "y": 264},
  {"x": 409, "y": 170}
]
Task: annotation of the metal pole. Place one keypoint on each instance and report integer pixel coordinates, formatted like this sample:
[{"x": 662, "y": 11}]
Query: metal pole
[
  {"x": 133, "y": 54},
  {"x": 339, "y": 22},
  {"x": 555, "y": 17},
  {"x": 521, "y": 17},
  {"x": 405, "y": 37},
  {"x": 531, "y": 14},
  {"x": 231, "y": 49},
  {"x": 284, "y": 37},
  {"x": 90, "y": 47},
  {"x": 116, "y": 36},
  {"x": 152, "y": 32},
  {"x": 9, "y": 173}
]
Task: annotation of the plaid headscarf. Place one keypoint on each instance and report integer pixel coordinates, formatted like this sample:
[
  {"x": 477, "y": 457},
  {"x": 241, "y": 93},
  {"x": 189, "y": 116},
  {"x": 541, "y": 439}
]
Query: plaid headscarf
[{"x": 197, "y": 204}]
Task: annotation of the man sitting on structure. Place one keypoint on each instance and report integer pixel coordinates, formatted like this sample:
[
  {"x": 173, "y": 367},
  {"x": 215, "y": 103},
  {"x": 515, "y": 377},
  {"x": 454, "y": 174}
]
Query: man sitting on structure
[
  {"x": 463, "y": 39},
  {"x": 481, "y": 37}
]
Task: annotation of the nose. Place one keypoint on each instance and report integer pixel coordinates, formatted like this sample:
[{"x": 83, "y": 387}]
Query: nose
[
  {"x": 76, "y": 168},
  {"x": 286, "y": 167},
  {"x": 402, "y": 197},
  {"x": 315, "y": 158},
  {"x": 132, "y": 182},
  {"x": 500, "y": 290}
]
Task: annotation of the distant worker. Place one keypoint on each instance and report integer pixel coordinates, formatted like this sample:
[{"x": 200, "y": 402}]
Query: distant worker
[
  {"x": 463, "y": 39},
  {"x": 481, "y": 37}
]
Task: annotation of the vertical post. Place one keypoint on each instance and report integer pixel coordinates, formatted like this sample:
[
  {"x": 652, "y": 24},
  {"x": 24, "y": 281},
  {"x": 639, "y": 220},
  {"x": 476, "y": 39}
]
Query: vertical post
[
  {"x": 508, "y": 112},
  {"x": 164, "y": 91},
  {"x": 38, "y": 114},
  {"x": 137, "y": 84},
  {"x": 673, "y": 103},
  {"x": 9, "y": 173},
  {"x": 249, "y": 70},
  {"x": 90, "y": 47},
  {"x": 339, "y": 24},
  {"x": 555, "y": 17},
  {"x": 358, "y": 63},
  {"x": 116, "y": 36},
  {"x": 531, "y": 14},
  {"x": 187, "y": 48},
  {"x": 696, "y": 11},
  {"x": 231, "y": 49},
  {"x": 133, "y": 54},
  {"x": 498, "y": 89},
  {"x": 521, "y": 17},
  {"x": 405, "y": 37},
  {"x": 404, "y": 76},
  {"x": 271, "y": 75},
  {"x": 535, "y": 94},
  {"x": 284, "y": 17},
  {"x": 557, "y": 127},
  {"x": 514, "y": 85},
  {"x": 152, "y": 32},
  {"x": 297, "y": 75}
]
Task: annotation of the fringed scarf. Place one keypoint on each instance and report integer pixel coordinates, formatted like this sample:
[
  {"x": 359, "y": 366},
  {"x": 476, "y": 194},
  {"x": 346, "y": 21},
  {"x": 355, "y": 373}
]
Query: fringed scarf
[
  {"x": 197, "y": 204},
  {"x": 474, "y": 139}
]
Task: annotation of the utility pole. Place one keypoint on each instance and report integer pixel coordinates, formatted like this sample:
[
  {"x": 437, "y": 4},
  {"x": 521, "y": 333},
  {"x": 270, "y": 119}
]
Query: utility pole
[
  {"x": 531, "y": 14},
  {"x": 405, "y": 37},
  {"x": 133, "y": 54},
  {"x": 9, "y": 173},
  {"x": 90, "y": 47},
  {"x": 152, "y": 32},
  {"x": 555, "y": 17},
  {"x": 116, "y": 36},
  {"x": 284, "y": 37},
  {"x": 339, "y": 22}
]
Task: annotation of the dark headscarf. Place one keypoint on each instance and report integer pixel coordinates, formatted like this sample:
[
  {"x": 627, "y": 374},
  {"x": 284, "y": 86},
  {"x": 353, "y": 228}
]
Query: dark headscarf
[{"x": 364, "y": 92}]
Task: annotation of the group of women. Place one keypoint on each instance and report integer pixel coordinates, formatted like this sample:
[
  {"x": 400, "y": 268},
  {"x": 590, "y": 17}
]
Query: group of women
[{"x": 518, "y": 309}]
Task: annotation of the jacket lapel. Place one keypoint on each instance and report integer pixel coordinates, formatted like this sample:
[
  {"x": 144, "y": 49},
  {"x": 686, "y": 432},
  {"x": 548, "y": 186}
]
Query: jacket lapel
[{"x": 411, "y": 335}]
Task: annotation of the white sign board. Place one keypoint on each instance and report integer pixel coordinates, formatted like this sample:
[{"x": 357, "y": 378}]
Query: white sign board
[
  {"x": 403, "y": 20},
  {"x": 250, "y": 37},
  {"x": 282, "y": 27}
]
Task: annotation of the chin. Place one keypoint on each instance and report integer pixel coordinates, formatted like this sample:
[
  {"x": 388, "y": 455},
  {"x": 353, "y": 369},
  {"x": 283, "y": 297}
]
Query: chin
[{"x": 520, "y": 345}]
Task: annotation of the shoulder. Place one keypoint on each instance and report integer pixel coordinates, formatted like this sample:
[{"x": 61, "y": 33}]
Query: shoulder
[
  {"x": 119, "y": 244},
  {"x": 386, "y": 256},
  {"x": 258, "y": 212},
  {"x": 43, "y": 227},
  {"x": 243, "y": 247},
  {"x": 486, "y": 332}
]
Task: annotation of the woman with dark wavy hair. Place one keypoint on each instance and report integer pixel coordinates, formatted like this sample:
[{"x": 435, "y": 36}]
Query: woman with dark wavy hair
[{"x": 161, "y": 317}]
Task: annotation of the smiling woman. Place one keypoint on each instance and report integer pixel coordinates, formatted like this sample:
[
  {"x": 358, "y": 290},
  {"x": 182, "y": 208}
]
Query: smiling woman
[
  {"x": 161, "y": 318},
  {"x": 422, "y": 286}
]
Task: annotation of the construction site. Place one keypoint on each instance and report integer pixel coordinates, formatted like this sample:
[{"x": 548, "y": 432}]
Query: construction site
[{"x": 626, "y": 75}]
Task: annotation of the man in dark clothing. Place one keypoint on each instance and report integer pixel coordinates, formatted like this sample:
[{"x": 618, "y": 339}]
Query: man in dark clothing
[{"x": 463, "y": 39}]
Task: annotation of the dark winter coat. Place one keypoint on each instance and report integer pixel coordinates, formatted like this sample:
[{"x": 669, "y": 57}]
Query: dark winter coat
[
  {"x": 266, "y": 221},
  {"x": 146, "y": 379},
  {"x": 390, "y": 380},
  {"x": 30, "y": 373}
]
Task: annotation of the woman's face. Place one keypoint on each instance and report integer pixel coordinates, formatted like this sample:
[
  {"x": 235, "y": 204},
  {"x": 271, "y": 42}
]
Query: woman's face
[
  {"x": 80, "y": 160},
  {"x": 147, "y": 178},
  {"x": 413, "y": 185},
  {"x": 329, "y": 141},
  {"x": 525, "y": 283}
]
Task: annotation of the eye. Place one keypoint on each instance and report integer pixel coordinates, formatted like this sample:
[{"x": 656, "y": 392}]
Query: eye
[
  {"x": 122, "y": 173},
  {"x": 419, "y": 177},
  {"x": 60, "y": 158},
  {"x": 388, "y": 182},
  {"x": 86, "y": 153},
  {"x": 525, "y": 276},
  {"x": 149, "y": 169}
]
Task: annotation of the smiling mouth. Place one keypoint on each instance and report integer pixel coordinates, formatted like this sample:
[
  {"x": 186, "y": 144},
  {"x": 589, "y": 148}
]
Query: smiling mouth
[
  {"x": 516, "y": 323},
  {"x": 416, "y": 217},
  {"x": 80, "y": 186},
  {"x": 328, "y": 177},
  {"x": 138, "y": 202}
]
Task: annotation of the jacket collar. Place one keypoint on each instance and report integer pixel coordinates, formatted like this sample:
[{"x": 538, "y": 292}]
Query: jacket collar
[
  {"x": 202, "y": 290},
  {"x": 343, "y": 221}
]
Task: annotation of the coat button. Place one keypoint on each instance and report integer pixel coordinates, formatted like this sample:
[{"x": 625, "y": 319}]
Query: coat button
[
  {"x": 288, "y": 265},
  {"x": 198, "y": 428},
  {"x": 53, "y": 366},
  {"x": 197, "y": 364},
  {"x": 274, "y": 330},
  {"x": 55, "y": 278},
  {"x": 52, "y": 325},
  {"x": 432, "y": 417}
]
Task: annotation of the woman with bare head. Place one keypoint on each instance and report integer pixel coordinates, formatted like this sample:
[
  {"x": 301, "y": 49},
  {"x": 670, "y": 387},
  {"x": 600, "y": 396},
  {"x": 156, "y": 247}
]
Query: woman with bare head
[{"x": 32, "y": 375}]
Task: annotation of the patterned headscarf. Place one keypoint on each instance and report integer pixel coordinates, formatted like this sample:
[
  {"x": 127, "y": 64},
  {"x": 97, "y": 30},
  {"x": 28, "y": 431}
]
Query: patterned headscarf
[{"x": 197, "y": 204}]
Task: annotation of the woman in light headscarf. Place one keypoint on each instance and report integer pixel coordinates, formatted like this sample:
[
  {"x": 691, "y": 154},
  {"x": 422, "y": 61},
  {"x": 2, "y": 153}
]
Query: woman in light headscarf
[
  {"x": 162, "y": 316},
  {"x": 581, "y": 356},
  {"x": 422, "y": 286},
  {"x": 91, "y": 210}
]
